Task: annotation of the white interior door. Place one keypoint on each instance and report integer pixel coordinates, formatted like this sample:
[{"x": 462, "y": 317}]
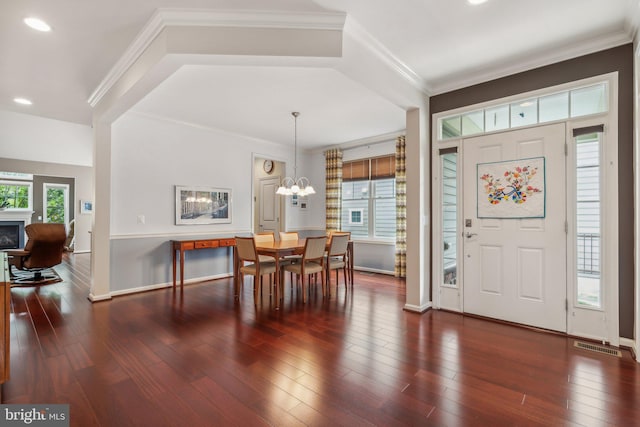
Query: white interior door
[
  {"x": 515, "y": 269},
  {"x": 269, "y": 202}
]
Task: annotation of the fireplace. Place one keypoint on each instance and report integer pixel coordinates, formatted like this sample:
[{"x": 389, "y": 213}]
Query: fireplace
[
  {"x": 9, "y": 219},
  {"x": 11, "y": 234}
]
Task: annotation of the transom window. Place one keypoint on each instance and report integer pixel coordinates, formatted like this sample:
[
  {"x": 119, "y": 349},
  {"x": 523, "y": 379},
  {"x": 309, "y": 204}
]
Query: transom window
[{"x": 525, "y": 112}]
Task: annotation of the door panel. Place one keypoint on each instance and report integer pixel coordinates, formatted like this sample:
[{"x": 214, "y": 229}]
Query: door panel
[
  {"x": 269, "y": 205},
  {"x": 515, "y": 269}
]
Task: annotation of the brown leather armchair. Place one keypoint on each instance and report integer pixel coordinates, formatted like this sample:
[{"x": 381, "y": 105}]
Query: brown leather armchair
[{"x": 43, "y": 250}]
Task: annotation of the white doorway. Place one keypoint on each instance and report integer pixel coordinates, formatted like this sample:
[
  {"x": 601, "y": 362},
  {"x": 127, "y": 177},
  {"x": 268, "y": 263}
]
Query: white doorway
[
  {"x": 515, "y": 268},
  {"x": 55, "y": 203},
  {"x": 269, "y": 205},
  {"x": 575, "y": 269}
]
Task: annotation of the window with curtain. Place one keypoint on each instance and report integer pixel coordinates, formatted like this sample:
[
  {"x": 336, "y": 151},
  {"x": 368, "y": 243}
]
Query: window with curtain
[{"x": 369, "y": 198}]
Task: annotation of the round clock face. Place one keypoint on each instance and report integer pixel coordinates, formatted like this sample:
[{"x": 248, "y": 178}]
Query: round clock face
[{"x": 268, "y": 166}]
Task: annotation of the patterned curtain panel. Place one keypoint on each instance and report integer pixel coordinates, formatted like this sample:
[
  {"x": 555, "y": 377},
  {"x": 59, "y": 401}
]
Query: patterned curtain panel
[
  {"x": 401, "y": 209},
  {"x": 333, "y": 160}
]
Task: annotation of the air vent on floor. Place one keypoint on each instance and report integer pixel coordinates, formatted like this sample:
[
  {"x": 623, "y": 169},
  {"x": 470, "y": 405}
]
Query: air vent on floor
[{"x": 597, "y": 348}]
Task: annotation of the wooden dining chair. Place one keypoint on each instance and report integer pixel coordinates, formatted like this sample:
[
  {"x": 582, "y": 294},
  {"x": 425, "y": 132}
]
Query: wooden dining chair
[
  {"x": 289, "y": 235},
  {"x": 250, "y": 263},
  {"x": 312, "y": 262},
  {"x": 337, "y": 258},
  {"x": 265, "y": 237},
  {"x": 347, "y": 260}
]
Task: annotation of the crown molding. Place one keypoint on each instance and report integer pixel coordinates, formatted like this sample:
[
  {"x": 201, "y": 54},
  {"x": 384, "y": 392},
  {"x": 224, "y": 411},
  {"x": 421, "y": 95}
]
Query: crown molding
[
  {"x": 142, "y": 41},
  {"x": 332, "y": 21},
  {"x": 372, "y": 140},
  {"x": 551, "y": 56},
  {"x": 633, "y": 21},
  {"x": 162, "y": 18},
  {"x": 194, "y": 125},
  {"x": 362, "y": 36}
]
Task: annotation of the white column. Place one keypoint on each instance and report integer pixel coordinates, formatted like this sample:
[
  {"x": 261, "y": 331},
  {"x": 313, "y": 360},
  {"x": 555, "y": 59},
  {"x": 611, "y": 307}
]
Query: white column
[
  {"x": 418, "y": 218},
  {"x": 636, "y": 172},
  {"x": 101, "y": 229}
]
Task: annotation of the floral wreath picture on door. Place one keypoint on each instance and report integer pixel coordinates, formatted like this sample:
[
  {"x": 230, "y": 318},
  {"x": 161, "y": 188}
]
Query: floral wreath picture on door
[{"x": 512, "y": 189}]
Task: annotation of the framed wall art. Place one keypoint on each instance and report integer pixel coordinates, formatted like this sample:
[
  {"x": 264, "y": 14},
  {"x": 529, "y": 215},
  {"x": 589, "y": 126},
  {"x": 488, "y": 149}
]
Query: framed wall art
[
  {"x": 86, "y": 207},
  {"x": 512, "y": 189},
  {"x": 202, "y": 205}
]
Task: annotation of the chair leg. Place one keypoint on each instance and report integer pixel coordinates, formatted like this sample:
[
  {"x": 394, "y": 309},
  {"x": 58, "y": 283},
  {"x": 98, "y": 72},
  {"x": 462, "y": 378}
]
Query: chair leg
[
  {"x": 304, "y": 294},
  {"x": 324, "y": 291}
]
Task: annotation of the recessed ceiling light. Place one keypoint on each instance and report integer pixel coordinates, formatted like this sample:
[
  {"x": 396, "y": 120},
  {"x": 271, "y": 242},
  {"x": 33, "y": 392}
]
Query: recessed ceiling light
[
  {"x": 476, "y": 1},
  {"x": 37, "y": 24},
  {"x": 23, "y": 101}
]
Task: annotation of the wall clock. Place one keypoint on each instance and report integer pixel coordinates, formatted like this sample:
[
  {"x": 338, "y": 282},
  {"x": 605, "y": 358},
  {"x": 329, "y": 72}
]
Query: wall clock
[{"x": 268, "y": 166}]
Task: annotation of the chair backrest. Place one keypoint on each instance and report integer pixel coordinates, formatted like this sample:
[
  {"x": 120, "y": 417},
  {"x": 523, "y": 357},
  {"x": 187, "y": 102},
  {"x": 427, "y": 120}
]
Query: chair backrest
[
  {"x": 337, "y": 233},
  {"x": 289, "y": 235},
  {"x": 338, "y": 244},
  {"x": 314, "y": 247},
  {"x": 246, "y": 248},
  {"x": 45, "y": 244},
  {"x": 264, "y": 237}
]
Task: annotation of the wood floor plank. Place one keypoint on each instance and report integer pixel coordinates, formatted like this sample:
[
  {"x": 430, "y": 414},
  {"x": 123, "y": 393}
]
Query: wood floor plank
[
  {"x": 198, "y": 357},
  {"x": 233, "y": 409}
]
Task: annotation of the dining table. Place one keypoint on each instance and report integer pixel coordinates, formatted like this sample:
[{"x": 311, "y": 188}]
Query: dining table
[{"x": 278, "y": 250}]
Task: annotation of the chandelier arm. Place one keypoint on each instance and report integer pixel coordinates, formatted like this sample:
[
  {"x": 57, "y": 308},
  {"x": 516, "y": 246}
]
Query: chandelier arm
[{"x": 298, "y": 186}]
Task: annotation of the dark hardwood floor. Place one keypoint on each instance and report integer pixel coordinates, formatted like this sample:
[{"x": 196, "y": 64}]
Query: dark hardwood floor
[{"x": 197, "y": 358}]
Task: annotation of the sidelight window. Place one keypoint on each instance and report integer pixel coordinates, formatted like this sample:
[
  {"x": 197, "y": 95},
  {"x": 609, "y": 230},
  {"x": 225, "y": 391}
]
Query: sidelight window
[{"x": 588, "y": 220}]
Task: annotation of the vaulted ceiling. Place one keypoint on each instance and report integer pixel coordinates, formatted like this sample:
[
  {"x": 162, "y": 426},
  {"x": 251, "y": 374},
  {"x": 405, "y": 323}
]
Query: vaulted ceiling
[{"x": 441, "y": 45}]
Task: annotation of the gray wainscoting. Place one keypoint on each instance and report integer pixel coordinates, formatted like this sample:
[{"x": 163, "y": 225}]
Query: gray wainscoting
[
  {"x": 138, "y": 263},
  {"x": 146, "y": 261}
]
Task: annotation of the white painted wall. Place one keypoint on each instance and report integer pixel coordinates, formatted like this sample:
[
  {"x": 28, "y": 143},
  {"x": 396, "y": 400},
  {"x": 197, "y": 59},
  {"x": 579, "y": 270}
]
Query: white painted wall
[
  {"x": 33, "y": 138},
  {"x": 150, "y": 156},
  {"x": 370, "y": 150},
  {"x": 312, "y": 166},
  {"x": 42, "y": 146}
]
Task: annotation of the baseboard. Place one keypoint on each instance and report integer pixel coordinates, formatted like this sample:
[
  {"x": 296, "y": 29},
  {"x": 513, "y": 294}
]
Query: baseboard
[
  {"x": 98, "y": 298},
  {"x": 631, "y": 345},
  {"x": 86, "y": 251},
  {"x": 142, "y": 289},
  {"x": 418, "y": 309},
  {"x": 167, "y": 285},
  {"x": 374, "y": 270}
]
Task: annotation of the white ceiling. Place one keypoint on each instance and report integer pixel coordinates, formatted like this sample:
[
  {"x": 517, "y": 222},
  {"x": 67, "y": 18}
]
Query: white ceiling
[{"x": 447, "y": 43}]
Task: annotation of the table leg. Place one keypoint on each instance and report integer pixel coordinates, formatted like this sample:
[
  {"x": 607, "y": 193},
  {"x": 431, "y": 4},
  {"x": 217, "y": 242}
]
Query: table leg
[
  {"x": 181, "y": 268},
  {"x": 236, "y": 273},
  {"x": 350, "y": 253},
  {"x": 173, "y": 255},
  {"x": 278, "y": 282}
]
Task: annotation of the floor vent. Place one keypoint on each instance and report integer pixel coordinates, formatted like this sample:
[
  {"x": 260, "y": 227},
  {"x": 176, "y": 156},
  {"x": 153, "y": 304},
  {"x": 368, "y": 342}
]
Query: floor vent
[{"x": 598, "y": 348}]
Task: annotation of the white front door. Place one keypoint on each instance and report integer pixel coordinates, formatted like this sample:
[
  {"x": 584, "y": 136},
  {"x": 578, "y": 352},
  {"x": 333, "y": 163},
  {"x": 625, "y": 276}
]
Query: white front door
[
  {"x": 269, "y": 205},
  {"x": 515, "y": 269}
]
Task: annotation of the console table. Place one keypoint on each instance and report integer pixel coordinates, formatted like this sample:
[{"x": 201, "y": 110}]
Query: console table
[{"x": 181, "y": 246}]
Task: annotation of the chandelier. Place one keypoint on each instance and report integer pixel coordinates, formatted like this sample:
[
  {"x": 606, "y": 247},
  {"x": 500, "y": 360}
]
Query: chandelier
[{"x": 295, "y": 186}]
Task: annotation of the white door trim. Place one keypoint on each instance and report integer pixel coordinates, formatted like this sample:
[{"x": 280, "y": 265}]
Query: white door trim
[{"x": 610, "y": 261}]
